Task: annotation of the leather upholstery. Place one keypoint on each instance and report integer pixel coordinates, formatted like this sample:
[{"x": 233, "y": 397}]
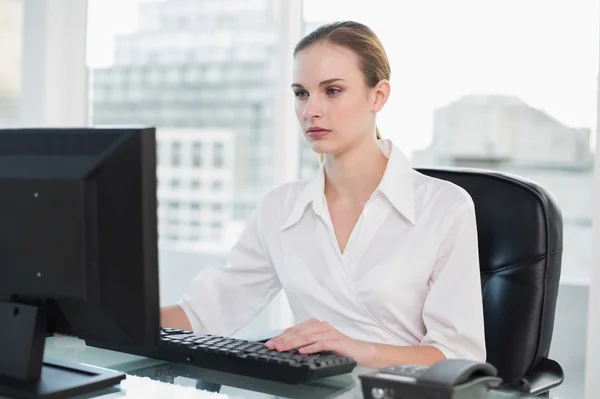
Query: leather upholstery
[{"x": 520, "y": 237}]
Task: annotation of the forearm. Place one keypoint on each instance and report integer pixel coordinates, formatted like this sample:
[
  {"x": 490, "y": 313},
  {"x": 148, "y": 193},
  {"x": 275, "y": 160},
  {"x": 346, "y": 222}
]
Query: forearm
[
  {"x": 388, "y": 355},
  {"x": 174, "y": 317}
]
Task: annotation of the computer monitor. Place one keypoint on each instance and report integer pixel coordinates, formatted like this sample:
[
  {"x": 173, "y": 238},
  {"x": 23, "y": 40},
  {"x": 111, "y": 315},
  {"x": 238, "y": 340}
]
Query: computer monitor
[{"x": 78, "y": 250}]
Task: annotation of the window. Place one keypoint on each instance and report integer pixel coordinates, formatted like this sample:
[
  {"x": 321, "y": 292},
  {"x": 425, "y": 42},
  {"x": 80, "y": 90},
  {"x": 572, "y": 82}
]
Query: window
[
  {"x": 218, "y": 155},
  {"x": 11, "y": 24},
  {"x": 172, "y": 76},
  {"x": 217, "y": 185},
  {"x": 442, "y": 53},
  {"x": 178, "y": 79},
  {"x": 175, "y": 183},
  {"x": 197, "y": 155},
  {"x": 176, "y": 153},
  {"x": 217, "y": 207}
]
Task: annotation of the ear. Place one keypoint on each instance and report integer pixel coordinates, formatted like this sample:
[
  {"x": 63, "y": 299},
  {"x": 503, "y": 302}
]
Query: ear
[{"x": 382, "y": 93}]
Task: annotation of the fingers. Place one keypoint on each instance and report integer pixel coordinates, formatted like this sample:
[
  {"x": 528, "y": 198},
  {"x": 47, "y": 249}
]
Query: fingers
[
  {"x": 315, "y": 336},
  {"x": 321, "y": 346},
  {"x": 292, "y": 330},
  {"x": 303, "y": 334},
  {"x": 302, "y": 326},
  {"x": 309, "y": 327},
  {"x": 298, "y": 341}
]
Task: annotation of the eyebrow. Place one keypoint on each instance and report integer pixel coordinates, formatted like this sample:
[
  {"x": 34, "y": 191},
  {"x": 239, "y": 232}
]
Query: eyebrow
[{"x": 323, "y": 83}]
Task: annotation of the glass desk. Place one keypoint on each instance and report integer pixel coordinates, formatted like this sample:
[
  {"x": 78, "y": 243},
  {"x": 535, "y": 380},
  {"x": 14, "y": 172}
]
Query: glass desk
[{"x": 234, "y": 386}]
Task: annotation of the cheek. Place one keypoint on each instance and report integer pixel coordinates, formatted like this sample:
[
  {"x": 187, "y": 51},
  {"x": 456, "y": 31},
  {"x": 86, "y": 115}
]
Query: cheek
[{"x": 348, "y": 111}]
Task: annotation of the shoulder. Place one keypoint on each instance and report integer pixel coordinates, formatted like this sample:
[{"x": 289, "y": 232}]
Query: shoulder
[
  {"x": 284, "y": 195},
  {"x": 278, "y": 203},
  {"x": 440, "y": 197}
]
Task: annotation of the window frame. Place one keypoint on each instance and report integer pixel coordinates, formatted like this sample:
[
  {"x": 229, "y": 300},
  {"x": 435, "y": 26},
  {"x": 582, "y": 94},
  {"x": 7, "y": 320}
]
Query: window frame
[{"x": 54, "y": 72}]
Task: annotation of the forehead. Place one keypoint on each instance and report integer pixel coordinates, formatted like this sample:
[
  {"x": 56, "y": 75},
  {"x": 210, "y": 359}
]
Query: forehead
[{"x": 322, "y": 61}]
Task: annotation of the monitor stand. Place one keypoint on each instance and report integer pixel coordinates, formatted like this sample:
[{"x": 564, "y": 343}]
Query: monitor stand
[{"x": 23, "y": 371}]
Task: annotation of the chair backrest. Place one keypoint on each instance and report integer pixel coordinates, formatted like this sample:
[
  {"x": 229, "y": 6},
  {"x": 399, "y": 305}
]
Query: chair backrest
[{"x": 520, "y": 235}]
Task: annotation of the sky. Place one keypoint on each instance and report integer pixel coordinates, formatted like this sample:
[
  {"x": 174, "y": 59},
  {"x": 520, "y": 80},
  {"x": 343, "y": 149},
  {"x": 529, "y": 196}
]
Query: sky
[{"x": 543, "y": 51}]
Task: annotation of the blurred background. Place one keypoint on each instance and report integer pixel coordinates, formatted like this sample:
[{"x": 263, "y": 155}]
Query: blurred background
[{"x": 506, "y": 85}]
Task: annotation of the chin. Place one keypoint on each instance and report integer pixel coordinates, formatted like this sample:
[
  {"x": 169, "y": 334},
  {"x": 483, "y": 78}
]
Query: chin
[{"x": 322, "y": 147}]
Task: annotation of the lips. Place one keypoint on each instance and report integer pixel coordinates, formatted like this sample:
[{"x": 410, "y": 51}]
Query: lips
[{"x": 317, "y": 132}]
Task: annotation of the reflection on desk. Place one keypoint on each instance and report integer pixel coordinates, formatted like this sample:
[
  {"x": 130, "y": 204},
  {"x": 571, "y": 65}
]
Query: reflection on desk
[
  {"x": 210, "y": 382},
  {"x": 73, "y": 349},
  {"x": 145, "y": 388}
]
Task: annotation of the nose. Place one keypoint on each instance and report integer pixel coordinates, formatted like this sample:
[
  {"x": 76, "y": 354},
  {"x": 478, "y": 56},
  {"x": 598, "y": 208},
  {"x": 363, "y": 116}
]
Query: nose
[{"x": 312, "y": 109}]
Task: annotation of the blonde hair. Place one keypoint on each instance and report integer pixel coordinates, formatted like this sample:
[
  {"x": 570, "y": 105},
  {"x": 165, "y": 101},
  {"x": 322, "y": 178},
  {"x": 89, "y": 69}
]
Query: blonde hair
[{"x": 360, "y": 39}]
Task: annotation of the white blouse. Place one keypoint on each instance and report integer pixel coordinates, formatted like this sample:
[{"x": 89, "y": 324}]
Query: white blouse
[{"x": 409, "y": 274}]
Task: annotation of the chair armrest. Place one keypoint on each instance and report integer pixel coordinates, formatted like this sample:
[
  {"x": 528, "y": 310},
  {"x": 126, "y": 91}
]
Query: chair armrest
[{"x": 547, "y": 375}]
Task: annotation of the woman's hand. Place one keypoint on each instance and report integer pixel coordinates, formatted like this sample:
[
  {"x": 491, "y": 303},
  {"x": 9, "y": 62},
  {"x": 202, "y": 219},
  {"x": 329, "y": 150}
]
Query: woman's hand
[{"x": 314, "y": 336}]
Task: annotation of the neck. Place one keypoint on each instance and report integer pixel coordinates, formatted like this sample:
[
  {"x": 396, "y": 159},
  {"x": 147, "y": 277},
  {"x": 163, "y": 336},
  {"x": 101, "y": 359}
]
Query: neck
[{"x": 355, "y": 174}]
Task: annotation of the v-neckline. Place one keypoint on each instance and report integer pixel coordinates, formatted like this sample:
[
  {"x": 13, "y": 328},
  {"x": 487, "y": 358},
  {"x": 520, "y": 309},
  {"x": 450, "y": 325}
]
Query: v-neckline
[{"x": 329, "y": 221}]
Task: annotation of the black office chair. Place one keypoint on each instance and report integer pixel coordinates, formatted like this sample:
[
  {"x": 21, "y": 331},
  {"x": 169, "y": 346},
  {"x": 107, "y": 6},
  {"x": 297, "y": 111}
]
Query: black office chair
[{"x": 520, "y": 236}]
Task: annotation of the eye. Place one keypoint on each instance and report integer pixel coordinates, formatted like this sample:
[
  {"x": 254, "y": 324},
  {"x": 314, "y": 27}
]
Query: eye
[
  {"x": 300, "y": 93},
  {"x": 332, "y": 91}
]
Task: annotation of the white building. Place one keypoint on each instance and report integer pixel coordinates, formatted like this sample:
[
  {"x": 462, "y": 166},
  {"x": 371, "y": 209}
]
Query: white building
[
  {"x": 195, "y": 188},
  {"x": 202, "y": 65},
  {"x": 504, "y": 130}
]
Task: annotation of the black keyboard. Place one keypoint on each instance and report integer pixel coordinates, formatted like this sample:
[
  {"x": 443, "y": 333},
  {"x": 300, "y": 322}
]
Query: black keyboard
[{"x": 249, "y": 358}]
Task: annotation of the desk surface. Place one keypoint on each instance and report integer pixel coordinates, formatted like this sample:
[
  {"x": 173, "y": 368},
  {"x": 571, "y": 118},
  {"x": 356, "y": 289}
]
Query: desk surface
[{"x": 234, "y": 386}]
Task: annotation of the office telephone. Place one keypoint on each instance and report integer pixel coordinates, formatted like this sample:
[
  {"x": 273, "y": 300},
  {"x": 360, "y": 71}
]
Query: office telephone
[{"x": 446, "y": 379}]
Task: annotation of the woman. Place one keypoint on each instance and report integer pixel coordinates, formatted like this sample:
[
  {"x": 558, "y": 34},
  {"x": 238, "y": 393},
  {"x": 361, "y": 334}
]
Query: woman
[{"x": 379, "y": 260}]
